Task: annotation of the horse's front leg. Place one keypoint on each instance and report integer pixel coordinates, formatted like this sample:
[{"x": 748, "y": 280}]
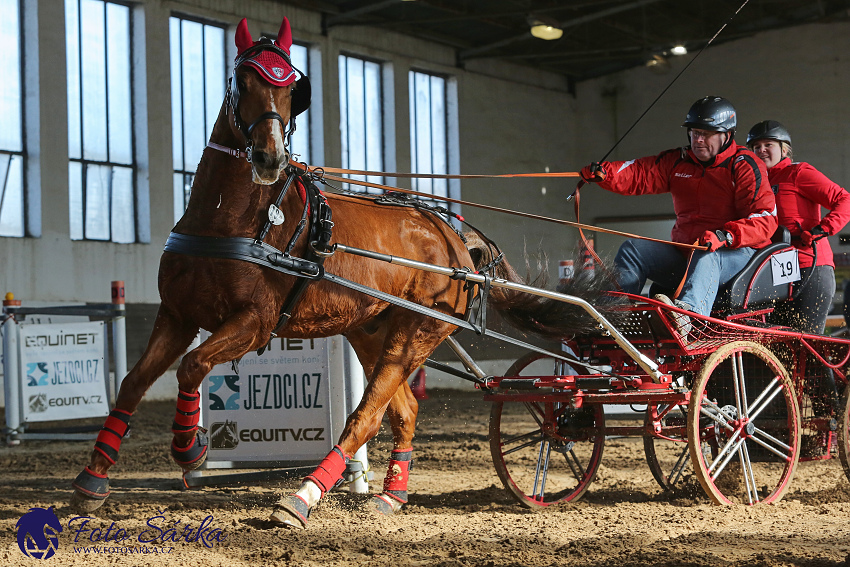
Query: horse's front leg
[
  {"x": 170, "y": 338},
  {"x": 400, "y": 352},
  {"x": 236, "y": 336}
]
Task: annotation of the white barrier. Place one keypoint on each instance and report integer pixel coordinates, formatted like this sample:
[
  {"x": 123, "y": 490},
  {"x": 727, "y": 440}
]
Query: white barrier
[
  {"x": 59, "y": 371},
  {"x": 283, "y": 409}
]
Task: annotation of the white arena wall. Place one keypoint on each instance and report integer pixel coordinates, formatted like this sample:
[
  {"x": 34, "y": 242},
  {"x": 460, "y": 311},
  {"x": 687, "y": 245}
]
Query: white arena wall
[{"x": 510, "y": 119}]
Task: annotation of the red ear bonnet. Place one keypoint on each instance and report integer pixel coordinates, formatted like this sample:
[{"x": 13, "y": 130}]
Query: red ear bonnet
[
  {"x": 243, "y": 36},
  {"x": 284, "y": 36},
  {"x": 272, "y": 66}
]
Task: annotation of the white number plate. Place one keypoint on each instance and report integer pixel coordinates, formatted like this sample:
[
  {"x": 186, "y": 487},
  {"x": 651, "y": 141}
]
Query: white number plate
[{"x": 785, "y": 267}]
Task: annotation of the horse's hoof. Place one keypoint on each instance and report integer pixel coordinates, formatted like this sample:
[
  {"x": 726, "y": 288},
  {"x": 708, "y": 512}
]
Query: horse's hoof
[
  {"x": 82, "y": 504},
  {"x": 90, "y": 490},
  {"x": 384, "y": 504},
  {"x": 292, "y": 511},
  {"x": 193, "y": 456}
]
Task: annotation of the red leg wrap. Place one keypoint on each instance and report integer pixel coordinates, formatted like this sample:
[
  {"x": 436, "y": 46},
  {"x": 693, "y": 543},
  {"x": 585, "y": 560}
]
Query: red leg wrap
[
  {"x": 398, "y": 472},
  {"x": 109, "y": 439},
  {"x": 188, "y": 412},
  {"x": 330, "y": 470}
]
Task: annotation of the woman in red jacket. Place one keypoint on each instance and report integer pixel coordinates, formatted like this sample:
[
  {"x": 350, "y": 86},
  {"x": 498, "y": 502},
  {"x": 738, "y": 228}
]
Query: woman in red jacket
[{"x": 801, "y": 191}]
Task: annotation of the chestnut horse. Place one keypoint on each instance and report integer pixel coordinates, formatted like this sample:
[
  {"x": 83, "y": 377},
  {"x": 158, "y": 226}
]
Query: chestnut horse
[{"x": 239, "y": 302}]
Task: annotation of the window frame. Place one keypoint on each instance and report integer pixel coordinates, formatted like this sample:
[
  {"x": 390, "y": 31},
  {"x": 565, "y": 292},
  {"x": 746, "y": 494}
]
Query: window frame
[
  {"x": 189, "y": 176},
  {"x": 386, "y": 123},
  {"x": 85, "y": 162},
  {"x": 22, "y": 153}
]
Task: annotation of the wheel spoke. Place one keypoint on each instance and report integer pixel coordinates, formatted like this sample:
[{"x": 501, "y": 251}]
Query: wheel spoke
[
  {"x": 764, "y": 400},
  {"x": 680, "y": 465},
  {"x": 785, "y": 456},
  {"x": 729, "y": 451},
  {"x": 749, "y": 478},
  {"x": 542, "y": 469},
  {"x": 537, "y": 438},
  {"x": 718, "y": 416}
]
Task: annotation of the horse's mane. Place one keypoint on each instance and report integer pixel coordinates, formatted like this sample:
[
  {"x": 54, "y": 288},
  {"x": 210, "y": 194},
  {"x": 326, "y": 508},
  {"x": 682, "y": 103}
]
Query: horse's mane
[{"x": 543, "y": 316}]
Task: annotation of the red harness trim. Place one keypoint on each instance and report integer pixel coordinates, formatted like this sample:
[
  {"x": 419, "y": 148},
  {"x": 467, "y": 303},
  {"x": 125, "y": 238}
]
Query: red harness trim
[
  {"x": 108, "y": 441},
  {"x": 398, "y": 471},
  {"x": 330, "y": 470},
  {"x": 188, "y": 413}
]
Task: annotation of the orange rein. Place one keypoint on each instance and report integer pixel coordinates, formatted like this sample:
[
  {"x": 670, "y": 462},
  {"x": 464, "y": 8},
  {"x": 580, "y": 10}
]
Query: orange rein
[{"x": 322, "y": 173}]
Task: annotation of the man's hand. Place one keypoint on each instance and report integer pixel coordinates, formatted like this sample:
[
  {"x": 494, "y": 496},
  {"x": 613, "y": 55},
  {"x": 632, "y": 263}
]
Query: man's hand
[
  {"x": 593, "y": 173},
  {"x": 810, "y": 236},
  {"x": 715, "y": 240}
]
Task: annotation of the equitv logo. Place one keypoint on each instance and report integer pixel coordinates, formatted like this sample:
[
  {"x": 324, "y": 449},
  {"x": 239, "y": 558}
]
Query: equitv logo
[{"x": 38, "y": 533}]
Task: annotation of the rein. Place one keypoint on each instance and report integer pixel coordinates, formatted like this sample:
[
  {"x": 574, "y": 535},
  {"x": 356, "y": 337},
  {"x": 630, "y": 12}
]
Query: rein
[{"x": 320, "y": 174}]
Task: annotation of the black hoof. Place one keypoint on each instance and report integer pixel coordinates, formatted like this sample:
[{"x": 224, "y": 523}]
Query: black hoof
[
  {"x": 90, "y": 491},
  {"x": 193, "y": 456},
  {"x": 291, "y": 512}
]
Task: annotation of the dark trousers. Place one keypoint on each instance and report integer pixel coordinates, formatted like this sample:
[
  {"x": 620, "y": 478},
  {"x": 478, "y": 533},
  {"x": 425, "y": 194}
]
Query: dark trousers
[{"x": 808, "y": 311}]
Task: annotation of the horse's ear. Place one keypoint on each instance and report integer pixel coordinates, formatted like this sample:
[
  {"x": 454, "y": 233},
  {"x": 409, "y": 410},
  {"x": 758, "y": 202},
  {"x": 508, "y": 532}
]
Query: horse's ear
[
  {"x": 284, "y": 35},
  {"x": 243, "y": 36}
]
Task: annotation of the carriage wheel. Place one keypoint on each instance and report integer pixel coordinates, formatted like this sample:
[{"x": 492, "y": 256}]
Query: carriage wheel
[
  {"x": 744, "y": 426},
  {"x": 669, "y": 461},
  {"x": 844, "y": 432},
  {"x": 545, "y": 452}
]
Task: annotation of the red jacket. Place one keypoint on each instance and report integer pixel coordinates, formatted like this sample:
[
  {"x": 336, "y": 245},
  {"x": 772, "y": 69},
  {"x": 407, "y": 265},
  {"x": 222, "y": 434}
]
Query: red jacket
[
  {"x": 801, "y": 190},
  {"x": 731, "y": 193}
]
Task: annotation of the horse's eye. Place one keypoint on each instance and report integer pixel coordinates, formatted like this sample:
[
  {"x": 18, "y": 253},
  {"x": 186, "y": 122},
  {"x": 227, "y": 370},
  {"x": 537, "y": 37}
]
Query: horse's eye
[{"x": 241, "y": 84}]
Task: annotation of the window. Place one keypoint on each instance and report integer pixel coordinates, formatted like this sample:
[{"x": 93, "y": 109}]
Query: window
[
  {"x": 300, "y": 55},
  {"x": 428, "y": 132},
  {"x": 11, "y": 122},
  {"x": 100, "y": 121},
  {"x": 197, "y": 91},
  {"x": 361, "y": 117}
]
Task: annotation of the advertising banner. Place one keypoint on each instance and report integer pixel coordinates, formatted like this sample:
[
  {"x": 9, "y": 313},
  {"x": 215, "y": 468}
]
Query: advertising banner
[
  {"x": 276, "y": 409},
  {"x": 64, "y": 373}
]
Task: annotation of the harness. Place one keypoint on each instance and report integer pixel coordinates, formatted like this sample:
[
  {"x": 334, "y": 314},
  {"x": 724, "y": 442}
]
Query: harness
[{"x": 316, "y": 217}]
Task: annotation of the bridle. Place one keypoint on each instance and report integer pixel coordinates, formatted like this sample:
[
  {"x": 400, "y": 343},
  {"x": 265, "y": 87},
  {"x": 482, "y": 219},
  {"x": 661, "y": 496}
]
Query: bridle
[{"x": 296, "y": 107}]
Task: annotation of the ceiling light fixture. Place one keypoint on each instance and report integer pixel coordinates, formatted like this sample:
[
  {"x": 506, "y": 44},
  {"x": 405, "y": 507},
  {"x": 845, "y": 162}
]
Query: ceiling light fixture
[
  {"x": 544, "y": 28},
  {"x": 679, "y": 50}
]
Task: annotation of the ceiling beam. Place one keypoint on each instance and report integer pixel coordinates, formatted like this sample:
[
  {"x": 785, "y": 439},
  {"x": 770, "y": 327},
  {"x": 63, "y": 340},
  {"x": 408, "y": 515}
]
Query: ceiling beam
[
  {"x": 345, "y": 16},
  {"x": 478, "y": 51}
]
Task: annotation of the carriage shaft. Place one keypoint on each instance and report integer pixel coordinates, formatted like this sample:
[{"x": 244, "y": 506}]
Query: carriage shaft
[{"x": 455, "y": 273}]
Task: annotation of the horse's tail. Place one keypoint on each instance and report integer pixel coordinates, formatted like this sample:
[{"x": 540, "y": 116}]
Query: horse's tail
[{"x": 543, "y": 316}]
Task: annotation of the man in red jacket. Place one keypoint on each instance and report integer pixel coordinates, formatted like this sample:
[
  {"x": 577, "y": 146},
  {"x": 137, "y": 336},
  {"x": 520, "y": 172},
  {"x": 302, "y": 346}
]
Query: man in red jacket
[{"x": 721, "y": 197}]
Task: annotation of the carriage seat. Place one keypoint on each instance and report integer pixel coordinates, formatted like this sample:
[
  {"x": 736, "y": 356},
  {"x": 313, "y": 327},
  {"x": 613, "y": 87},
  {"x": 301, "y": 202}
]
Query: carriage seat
[{"x": 753, "y": 286}]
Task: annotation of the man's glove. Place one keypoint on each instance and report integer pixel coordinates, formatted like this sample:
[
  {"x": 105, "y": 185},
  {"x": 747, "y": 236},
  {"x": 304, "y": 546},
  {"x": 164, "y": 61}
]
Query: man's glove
[
  {"x": 810, "y": 236},
  {"x": 715, "y": 240},
  {"x": 593, "y": 173}
]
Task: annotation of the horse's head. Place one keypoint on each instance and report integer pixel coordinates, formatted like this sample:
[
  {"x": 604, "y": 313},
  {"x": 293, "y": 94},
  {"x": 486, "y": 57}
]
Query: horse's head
[{"x": 264, "y": 96}]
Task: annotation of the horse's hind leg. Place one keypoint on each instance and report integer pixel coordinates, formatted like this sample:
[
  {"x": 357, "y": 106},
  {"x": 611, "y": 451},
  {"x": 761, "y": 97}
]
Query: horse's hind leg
[
  {"x": 169, "y": 339},
  {"x": 238, "y": 335},
  {"x": 402, "y": 413}
]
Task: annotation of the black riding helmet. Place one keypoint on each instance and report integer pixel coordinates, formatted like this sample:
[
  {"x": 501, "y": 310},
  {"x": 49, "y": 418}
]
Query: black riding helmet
[
  {"x": 768, "y": 130},
  {"x": 713, "y": 113}
]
